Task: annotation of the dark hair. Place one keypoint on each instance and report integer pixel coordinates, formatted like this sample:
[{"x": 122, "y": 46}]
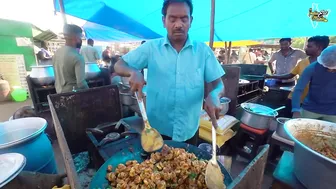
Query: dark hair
[
  {"x": 166, "y": 3},
  {"x": 320, "y": 41},
  {"x": 71, "y": 29},
  {"x": 285, "y": 39},
  {"x": 90, "y": 41}
]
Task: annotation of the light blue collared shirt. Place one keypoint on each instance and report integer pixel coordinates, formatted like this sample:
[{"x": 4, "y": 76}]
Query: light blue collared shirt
[{"x": 175, "y": 84}]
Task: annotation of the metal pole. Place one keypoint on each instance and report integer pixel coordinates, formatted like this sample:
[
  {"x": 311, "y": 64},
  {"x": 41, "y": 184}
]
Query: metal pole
[
  {"x": 212, "y": 23},
  {"x": 228, "y": 52},
  {"x": 61, "y": 4}
]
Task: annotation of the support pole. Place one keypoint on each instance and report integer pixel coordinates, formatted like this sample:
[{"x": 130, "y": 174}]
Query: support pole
[
  {"x": 61, "y": 4},
  {"x": 212, "y": 23}
]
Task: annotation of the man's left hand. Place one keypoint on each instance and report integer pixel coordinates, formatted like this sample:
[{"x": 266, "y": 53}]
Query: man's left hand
[{"x": 212, "y": 107}]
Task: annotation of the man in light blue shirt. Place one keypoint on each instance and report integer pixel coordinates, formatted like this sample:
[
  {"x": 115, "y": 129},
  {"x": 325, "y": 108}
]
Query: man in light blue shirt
[{"x": 179, "y": 72}]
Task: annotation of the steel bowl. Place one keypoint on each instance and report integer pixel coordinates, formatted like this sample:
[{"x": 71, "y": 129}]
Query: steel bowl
[
  {"x": 257, "y": 116},
  {"x": 42, "y": 75},
  {"x": 312, "y": 169},
  {"x": 224, "y": 105},
  {"x": 92, "y": 70},
  {"x": 280, "y": 130}
]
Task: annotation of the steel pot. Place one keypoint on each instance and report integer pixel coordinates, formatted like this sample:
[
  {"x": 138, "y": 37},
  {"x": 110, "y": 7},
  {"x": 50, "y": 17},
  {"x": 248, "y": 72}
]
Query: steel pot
[
  {"x": 126, "y": 96},
  {"x": 92, "y": 70},
  {"x": 257, "y": 116},
  {"x": 312, "y": 169},
  {"x": 280, "y": 130},
  {"x": 42, "y": 75}
]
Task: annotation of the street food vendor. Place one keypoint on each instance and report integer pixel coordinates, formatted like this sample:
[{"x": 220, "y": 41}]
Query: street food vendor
[
  {"x": 320, "y": 102},
  {"x": 69, "y": 65},
  {"x": 314, "y": 48},
  {"x": 179, "y": 71},
  {"x": 285, "y": 59}
]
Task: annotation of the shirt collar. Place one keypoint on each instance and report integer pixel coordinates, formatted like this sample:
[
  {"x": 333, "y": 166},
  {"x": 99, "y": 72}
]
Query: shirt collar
[{"x": 187, "y": 44}]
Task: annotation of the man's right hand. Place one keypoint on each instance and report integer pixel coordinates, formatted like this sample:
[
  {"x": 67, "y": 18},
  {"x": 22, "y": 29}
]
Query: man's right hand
[{"x": 137, "y": 82}]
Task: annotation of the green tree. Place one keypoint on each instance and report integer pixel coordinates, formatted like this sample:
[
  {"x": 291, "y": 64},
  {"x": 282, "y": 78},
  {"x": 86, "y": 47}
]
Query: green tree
[{"x": 298, "y": 43}]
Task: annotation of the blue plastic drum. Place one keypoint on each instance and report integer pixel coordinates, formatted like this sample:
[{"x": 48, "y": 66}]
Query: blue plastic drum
[{"x": 26, "y": 136}]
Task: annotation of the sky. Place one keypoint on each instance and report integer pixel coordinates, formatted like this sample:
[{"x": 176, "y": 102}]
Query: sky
[{"x": 30, "y": 11}]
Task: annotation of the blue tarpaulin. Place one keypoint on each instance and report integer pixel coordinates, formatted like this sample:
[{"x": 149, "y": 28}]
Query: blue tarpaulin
[
  {"x": 234, "y": 19},
  {"x": 103, "y": 33}
]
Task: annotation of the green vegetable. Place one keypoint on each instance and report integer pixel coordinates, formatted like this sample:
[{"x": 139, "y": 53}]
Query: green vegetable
[{"x": 192, "y": 175}]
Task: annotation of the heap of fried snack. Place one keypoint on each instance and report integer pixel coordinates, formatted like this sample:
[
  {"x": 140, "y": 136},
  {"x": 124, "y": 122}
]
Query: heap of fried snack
[{"x": 170, "y": 168}]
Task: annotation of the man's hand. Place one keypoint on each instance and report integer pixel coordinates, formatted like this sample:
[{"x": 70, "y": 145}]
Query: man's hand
[
  {"x": 296, "y": 114},
  {"x": 137, "y": 82},
  {"x": 212, "y": 107}
]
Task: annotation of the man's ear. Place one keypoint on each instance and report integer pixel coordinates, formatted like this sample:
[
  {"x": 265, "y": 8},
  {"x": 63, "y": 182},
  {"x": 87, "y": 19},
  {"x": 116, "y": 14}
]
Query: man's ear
[
  {"x": 164, "y": 21},
  {"x": 191, "y": 19}
]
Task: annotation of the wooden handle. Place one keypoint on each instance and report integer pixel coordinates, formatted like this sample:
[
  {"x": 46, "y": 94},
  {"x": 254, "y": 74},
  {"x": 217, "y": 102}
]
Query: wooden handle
[{"x": 214, "y": 142}]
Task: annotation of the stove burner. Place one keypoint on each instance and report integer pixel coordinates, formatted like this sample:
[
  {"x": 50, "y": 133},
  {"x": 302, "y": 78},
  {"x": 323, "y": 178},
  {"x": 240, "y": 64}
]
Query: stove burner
[
  {"x": 109, "y": 138},
  {"x": 113, "y": 136}
]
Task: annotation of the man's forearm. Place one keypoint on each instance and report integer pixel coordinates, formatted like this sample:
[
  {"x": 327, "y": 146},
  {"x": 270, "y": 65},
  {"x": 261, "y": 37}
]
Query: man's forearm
[
  {"x": 216, "y": 88},
  {"x": 122, "y": 69}
]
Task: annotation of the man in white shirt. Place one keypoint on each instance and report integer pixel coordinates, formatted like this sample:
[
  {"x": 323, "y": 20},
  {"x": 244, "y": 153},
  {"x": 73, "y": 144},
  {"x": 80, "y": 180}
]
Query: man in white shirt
[
  {"x": 89, "y": 53},
  {"x": 250, "y": 57}
]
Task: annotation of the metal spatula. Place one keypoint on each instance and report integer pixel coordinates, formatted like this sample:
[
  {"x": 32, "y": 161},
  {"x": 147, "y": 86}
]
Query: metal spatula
[{"x": 151, "y": 139}]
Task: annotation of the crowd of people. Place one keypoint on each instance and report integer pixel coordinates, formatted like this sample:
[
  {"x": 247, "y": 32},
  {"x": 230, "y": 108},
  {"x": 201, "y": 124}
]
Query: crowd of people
[
  {"x": 311, "y": 72},
  {"x": 251, "y": 56},
  {"x": 313, "y": 95}
]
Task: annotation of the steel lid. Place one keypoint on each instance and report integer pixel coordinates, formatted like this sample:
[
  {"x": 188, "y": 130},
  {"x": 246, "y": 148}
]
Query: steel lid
[
  {"x": 11, "y": 164},
  {"x": 19, "y": 130}
]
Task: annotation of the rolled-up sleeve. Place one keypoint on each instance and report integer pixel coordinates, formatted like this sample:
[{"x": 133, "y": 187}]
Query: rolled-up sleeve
[
  {"x": 80, "y": 73},
  {"x": 213, "y": 70},
  {"x": 138, "y": 58},
  {"x": 300, "y": 86}
]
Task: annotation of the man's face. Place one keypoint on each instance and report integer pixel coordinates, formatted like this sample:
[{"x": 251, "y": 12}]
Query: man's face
[
  {"x": 177, "y": 21},
  {"x": 284, "y": 45},
  {"x": 312, "y": 49}
]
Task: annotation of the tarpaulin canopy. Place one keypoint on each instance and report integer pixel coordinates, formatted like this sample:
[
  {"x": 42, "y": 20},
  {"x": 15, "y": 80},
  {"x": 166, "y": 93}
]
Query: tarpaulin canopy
[
  {"x": 103, "y": 33},
  {"x": 234, "y": 19}
]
